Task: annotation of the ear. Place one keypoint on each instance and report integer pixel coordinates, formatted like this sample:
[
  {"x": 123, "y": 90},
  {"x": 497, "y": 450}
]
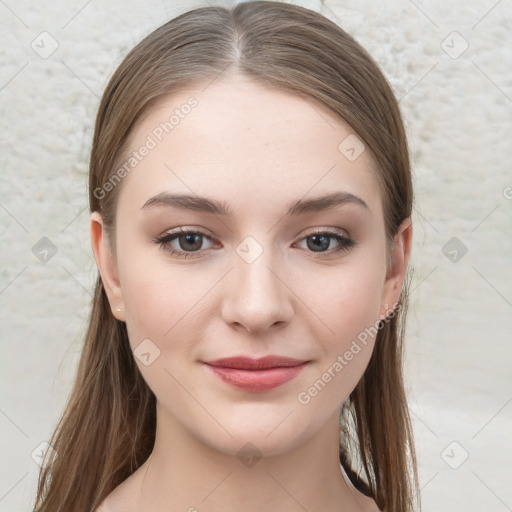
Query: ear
[
  {"x": 397, "y": 268},
  {"x": 107, "y": 265}
]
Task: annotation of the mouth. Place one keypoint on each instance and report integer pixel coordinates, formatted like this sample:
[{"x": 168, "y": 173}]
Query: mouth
[{"x": 256, "y": 375}]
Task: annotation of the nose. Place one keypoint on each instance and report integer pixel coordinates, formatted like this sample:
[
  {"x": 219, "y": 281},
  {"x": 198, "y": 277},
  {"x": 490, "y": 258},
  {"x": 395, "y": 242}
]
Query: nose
[{"x": 256, "y": 295}]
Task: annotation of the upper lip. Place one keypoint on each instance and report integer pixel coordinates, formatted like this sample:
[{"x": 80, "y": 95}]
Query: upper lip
[{"x": 248, "y": 363}]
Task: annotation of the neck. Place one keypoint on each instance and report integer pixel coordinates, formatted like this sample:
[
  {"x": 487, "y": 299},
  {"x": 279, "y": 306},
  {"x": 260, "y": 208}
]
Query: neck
[{"x": 185, "y": 474}]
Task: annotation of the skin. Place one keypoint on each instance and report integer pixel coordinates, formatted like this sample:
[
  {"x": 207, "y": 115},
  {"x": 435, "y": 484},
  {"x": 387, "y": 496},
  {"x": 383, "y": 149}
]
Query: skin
[{"x": 257, "y": 149}]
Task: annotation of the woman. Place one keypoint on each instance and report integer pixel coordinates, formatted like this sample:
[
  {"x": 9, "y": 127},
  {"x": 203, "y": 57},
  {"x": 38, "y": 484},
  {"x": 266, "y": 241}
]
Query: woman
[{"x": 250, "y": 197}]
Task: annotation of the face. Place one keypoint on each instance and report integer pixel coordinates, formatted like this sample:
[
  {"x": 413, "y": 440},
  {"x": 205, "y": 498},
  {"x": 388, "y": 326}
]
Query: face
[{"x": 251, "y": 264}]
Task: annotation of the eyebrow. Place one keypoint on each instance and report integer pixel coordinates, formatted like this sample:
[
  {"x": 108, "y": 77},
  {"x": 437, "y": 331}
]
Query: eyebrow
[{"x": 203, "y": 204}]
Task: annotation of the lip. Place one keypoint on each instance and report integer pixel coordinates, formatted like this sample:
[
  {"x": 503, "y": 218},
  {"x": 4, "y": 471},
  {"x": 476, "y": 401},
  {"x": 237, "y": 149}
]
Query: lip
[{"x": 256, "y": 375}]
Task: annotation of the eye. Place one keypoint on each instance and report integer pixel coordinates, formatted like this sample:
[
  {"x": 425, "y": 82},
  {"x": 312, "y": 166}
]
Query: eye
[
  {"x": 187, "y": 240},
  {"x": 321, "y": 242},
  {"x": 191, "y": 241}
]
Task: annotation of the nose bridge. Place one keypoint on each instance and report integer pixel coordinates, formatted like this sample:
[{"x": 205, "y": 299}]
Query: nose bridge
[{"x": 256, "y": 296}]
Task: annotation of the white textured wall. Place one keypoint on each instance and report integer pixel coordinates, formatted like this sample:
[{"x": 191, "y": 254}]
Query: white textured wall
[{"x": 457, "y": 104}]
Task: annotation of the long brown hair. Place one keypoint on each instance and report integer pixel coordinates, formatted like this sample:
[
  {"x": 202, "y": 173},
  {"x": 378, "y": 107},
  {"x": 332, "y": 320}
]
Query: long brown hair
[{"x": 108, "y": 428}]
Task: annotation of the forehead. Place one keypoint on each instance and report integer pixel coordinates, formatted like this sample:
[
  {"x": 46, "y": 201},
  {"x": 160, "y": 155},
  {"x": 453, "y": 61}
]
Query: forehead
[{"x": 255, "y": 146}]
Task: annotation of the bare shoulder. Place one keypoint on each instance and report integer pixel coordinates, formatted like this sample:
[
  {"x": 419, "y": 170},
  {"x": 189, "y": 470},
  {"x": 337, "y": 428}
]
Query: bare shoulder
[
  {"x": 368, "y": 504},
  {"x": 121, "y": 499},
  {"x": 124, "y": 497},
  {"x": 364, "y": 503}
]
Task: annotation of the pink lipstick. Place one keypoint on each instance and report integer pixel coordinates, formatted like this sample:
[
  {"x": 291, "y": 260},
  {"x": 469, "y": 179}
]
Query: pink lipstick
[{"x": 256, "y": 375}]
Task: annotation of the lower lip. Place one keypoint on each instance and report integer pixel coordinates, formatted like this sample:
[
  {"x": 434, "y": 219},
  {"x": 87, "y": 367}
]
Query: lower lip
[{"x": 257, "y": 380}]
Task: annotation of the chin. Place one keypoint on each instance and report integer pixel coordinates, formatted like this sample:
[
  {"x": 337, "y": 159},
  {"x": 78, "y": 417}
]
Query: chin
[{"x": 256, "y": 439}]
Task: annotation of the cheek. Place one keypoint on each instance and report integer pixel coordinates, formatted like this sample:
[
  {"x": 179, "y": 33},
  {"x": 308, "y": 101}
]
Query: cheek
[
  {"x": 151, "y": 300},
  {"x": 162, "y": 298},
  {"x": 159, "y": 304},
  {"x": 348, "y": 304},
  {"x": 348, "y": 299},
  {"x": 163, "y": 312}
]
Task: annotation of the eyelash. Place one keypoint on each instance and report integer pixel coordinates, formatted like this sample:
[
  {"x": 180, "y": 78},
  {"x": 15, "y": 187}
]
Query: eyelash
[{"x": 164, "y": 241}]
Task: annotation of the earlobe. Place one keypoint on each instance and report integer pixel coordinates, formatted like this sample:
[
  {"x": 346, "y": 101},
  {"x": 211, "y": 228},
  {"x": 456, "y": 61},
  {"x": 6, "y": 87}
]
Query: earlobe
[
  {"x": 397, "y": 269},
  {"x": 107, "y": 265}
]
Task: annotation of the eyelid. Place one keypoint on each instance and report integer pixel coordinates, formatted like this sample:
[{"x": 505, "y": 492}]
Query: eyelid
[{"x": 326, "y": 230}]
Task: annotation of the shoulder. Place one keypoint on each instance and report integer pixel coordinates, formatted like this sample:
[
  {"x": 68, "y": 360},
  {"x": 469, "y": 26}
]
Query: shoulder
[
  {"x": 369, "y": 505},
  {"x": 365, "y": 503},
  {"x": 119, "y": 500},
  {"x": 124, "y": 497}
]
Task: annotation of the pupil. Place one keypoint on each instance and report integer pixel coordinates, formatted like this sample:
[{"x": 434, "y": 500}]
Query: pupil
[
  {"x": 321, "y": 241},
  {"x": 190, "y": 239}
]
